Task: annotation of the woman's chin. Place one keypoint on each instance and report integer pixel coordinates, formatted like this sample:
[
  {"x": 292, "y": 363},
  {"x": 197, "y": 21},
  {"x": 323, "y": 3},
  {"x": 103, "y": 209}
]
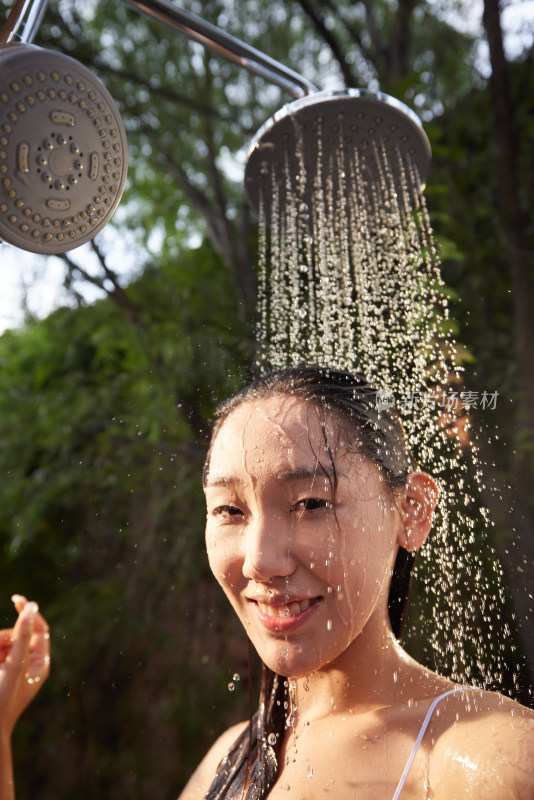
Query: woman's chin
[{"x": 291, "y": 661}]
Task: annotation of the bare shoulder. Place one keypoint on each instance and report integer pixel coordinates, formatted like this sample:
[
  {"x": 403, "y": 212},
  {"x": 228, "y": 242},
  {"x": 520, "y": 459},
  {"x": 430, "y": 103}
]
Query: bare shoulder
[
  {"x": 483, "y": 747},
  {"x": 201, "y": 779}
]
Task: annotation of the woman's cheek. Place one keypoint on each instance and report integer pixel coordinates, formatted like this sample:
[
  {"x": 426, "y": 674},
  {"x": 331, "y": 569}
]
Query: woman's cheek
[{"x": 223, "y": 557}]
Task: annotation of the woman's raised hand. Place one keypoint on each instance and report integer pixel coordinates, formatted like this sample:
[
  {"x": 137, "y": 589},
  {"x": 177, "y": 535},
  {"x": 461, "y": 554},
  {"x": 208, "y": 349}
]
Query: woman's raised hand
[{"x": 24, "y": 662}]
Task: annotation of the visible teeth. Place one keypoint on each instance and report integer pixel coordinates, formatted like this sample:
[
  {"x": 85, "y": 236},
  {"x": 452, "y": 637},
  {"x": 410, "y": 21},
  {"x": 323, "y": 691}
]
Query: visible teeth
[{"x": 289, "y": 610}]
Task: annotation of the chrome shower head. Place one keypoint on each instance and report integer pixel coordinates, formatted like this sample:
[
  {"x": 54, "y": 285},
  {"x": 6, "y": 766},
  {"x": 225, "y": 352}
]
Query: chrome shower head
[
  {"x": 63, "y": 151},
  {"x": 380, "y": 131}
]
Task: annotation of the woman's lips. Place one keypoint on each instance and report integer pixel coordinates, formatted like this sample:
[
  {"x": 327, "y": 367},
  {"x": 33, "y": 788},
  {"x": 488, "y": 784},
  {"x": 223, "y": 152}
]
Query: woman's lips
[{"x": 284, "y": 617}]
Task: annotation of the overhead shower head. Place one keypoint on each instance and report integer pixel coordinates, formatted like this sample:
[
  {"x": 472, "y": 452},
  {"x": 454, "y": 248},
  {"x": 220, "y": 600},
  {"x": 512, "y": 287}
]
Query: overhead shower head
[
  {"x": 308, "y": 142},
  {"x": 63, "y": 151}
]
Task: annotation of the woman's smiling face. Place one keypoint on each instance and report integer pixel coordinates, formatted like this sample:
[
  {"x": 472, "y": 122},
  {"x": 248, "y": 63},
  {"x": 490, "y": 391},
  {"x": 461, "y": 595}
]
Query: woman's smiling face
[{"x": 304, "y": 567}]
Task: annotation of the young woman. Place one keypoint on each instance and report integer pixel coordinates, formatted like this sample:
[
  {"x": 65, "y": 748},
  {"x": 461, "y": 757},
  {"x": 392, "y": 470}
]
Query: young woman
[{"x": 314, "y": 512}]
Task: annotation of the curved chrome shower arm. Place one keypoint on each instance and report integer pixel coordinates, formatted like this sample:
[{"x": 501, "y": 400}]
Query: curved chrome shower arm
[
  {"x": 189, "y": 24},
  {"x": 223, "y": 43},
  {"x": 34, "y": 11}
]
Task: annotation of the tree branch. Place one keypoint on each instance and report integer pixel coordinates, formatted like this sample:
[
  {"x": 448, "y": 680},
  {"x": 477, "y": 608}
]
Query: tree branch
[
  {"x": 328, "y": 37},
  {"x": 382, "y": 56},
  {"x": 239, "y": 257},
  {"x": 117, "y": 294},
  {"x": 233, "y": 252},
  {"x": 376, "y": 56},
  {"x": 198, "y": 198},
  {"x": 168, "y": 94},
  {"x": 400, "y": 41}
]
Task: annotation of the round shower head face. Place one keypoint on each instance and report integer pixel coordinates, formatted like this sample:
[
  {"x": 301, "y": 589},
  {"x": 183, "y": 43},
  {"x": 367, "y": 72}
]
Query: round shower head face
[
  {"x": 345, "y": 138},
  {"x": 63, "y": 151}
]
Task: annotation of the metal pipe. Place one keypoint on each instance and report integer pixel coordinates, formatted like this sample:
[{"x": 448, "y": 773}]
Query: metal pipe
[
  {"x": 33, "y": 23},
  {"x": 224, "y": 44},
  {"x": 34, "y": 11},
  {"x": 189, "y": 24}
]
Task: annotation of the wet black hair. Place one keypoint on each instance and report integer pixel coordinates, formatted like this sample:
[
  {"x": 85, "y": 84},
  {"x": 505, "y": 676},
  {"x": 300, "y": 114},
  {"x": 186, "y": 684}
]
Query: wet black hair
[{"x": 250, "y": 769}]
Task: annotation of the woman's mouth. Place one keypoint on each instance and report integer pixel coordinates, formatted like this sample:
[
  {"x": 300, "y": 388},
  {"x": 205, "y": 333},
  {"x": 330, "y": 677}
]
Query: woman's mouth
[{"x": 282, "y": 617}]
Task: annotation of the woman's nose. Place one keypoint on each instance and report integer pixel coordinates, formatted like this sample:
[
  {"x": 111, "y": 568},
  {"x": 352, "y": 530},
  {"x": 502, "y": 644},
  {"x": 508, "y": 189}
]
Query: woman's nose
[{"x": 268, "y": 549}]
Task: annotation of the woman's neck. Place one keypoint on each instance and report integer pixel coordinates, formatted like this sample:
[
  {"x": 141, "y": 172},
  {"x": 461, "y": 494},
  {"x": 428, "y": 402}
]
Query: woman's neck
[{"x": 373, "y": 672}]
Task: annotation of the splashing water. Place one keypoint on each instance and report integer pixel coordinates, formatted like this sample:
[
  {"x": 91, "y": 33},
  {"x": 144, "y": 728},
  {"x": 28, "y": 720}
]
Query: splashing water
[{"x": 350, "y": 278}]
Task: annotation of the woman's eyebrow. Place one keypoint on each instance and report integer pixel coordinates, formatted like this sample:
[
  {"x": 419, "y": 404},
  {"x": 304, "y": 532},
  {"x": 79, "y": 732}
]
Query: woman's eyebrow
[
  {"x": 223, "y": 480},
  {"x": 305, "y": 473},
  {"x": 298, "y": 474}
]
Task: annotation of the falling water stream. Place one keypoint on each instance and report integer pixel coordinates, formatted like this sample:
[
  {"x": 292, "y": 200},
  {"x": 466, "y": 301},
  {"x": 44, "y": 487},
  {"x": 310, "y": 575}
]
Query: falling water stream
[{"x": 350, "y": 277}]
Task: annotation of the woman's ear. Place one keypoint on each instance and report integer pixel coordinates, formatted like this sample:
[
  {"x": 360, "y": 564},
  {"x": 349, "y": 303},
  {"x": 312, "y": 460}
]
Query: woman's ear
[{"x": 417, "y": 506}]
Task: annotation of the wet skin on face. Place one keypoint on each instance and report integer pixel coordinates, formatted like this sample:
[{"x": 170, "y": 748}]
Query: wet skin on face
[{"x": 306, "y": 569}]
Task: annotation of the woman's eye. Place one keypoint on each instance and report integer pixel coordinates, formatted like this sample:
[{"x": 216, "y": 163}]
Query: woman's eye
[
  {"x": 311, "y": 504},
  {"x": 231, "y": 511}
]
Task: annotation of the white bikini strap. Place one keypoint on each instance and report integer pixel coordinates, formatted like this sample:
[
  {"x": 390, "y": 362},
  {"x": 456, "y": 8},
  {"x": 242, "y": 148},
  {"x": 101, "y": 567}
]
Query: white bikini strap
[{"x": 424, "y": 726}]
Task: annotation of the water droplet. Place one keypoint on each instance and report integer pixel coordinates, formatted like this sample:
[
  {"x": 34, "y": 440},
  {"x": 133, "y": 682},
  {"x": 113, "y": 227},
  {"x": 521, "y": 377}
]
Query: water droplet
[
  {"x": 271, "y": 739},
  {"x": 231, "y": 686},
  {"x": 329, "y": 625}
]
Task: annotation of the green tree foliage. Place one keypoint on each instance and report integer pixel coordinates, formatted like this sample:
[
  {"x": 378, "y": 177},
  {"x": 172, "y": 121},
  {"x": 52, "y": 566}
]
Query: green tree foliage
[
  {"x": 101, "y": 426},
  {"x": 495, "y": 290}
]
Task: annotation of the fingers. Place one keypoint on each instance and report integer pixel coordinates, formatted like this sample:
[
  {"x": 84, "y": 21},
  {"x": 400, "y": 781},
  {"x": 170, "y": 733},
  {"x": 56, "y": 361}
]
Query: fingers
[
  {"x": 29, "y": 639},
  {"x": 19, "y": 601},
  {"x": 22, "y": 634},
  {"x": 24, "y": 663},
  {"x": 39, "y": 655}
]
